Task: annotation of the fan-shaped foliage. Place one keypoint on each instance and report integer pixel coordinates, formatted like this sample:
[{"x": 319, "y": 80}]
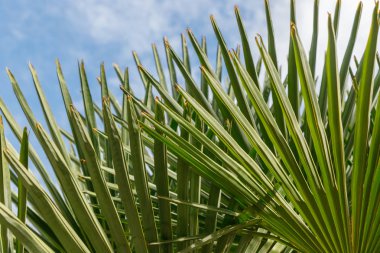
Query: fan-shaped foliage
[{"x": 245, "y": 161}]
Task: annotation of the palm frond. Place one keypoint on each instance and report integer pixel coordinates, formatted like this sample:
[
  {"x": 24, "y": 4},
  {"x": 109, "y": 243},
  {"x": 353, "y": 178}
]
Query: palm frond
[{"x": 237, "y": 159}]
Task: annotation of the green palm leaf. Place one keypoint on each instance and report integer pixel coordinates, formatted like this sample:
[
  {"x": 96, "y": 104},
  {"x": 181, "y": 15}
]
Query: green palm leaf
[{"x": 234, "y": 159}]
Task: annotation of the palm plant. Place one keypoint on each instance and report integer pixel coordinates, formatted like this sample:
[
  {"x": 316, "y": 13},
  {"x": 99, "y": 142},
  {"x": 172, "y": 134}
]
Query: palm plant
[{"x": 247, "y": 162}]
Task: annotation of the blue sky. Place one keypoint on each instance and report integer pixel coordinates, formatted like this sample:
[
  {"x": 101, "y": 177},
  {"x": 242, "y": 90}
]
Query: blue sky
[{"x": 96, "y": 31}]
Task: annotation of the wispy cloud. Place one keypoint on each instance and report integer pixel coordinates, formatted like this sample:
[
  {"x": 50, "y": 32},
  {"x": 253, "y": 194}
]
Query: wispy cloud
[{"x": 135, "y": 24}]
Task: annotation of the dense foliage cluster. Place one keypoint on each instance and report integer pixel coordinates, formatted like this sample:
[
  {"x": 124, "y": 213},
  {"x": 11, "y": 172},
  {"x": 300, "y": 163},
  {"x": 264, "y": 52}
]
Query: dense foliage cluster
[{"x": 239, "y": 159}]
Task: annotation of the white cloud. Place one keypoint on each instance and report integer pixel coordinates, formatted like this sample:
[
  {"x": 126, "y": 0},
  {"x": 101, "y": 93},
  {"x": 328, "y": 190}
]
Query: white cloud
[
  {"x": 345, "y": 24},
  {"x": 138, "y": 23}
]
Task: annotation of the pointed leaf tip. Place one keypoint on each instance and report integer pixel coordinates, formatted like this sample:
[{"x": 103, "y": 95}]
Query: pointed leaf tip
[
  {"x": 9, "y": 72},
  {"x": 105, "y": 100},
  {"x": 166, "y": 42},
  {"x": 259, "y": 40},
  {"x": 141, "y": 67},
  {"x": 72, "y": 108},
  {"x": 144, "y": 113}
]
